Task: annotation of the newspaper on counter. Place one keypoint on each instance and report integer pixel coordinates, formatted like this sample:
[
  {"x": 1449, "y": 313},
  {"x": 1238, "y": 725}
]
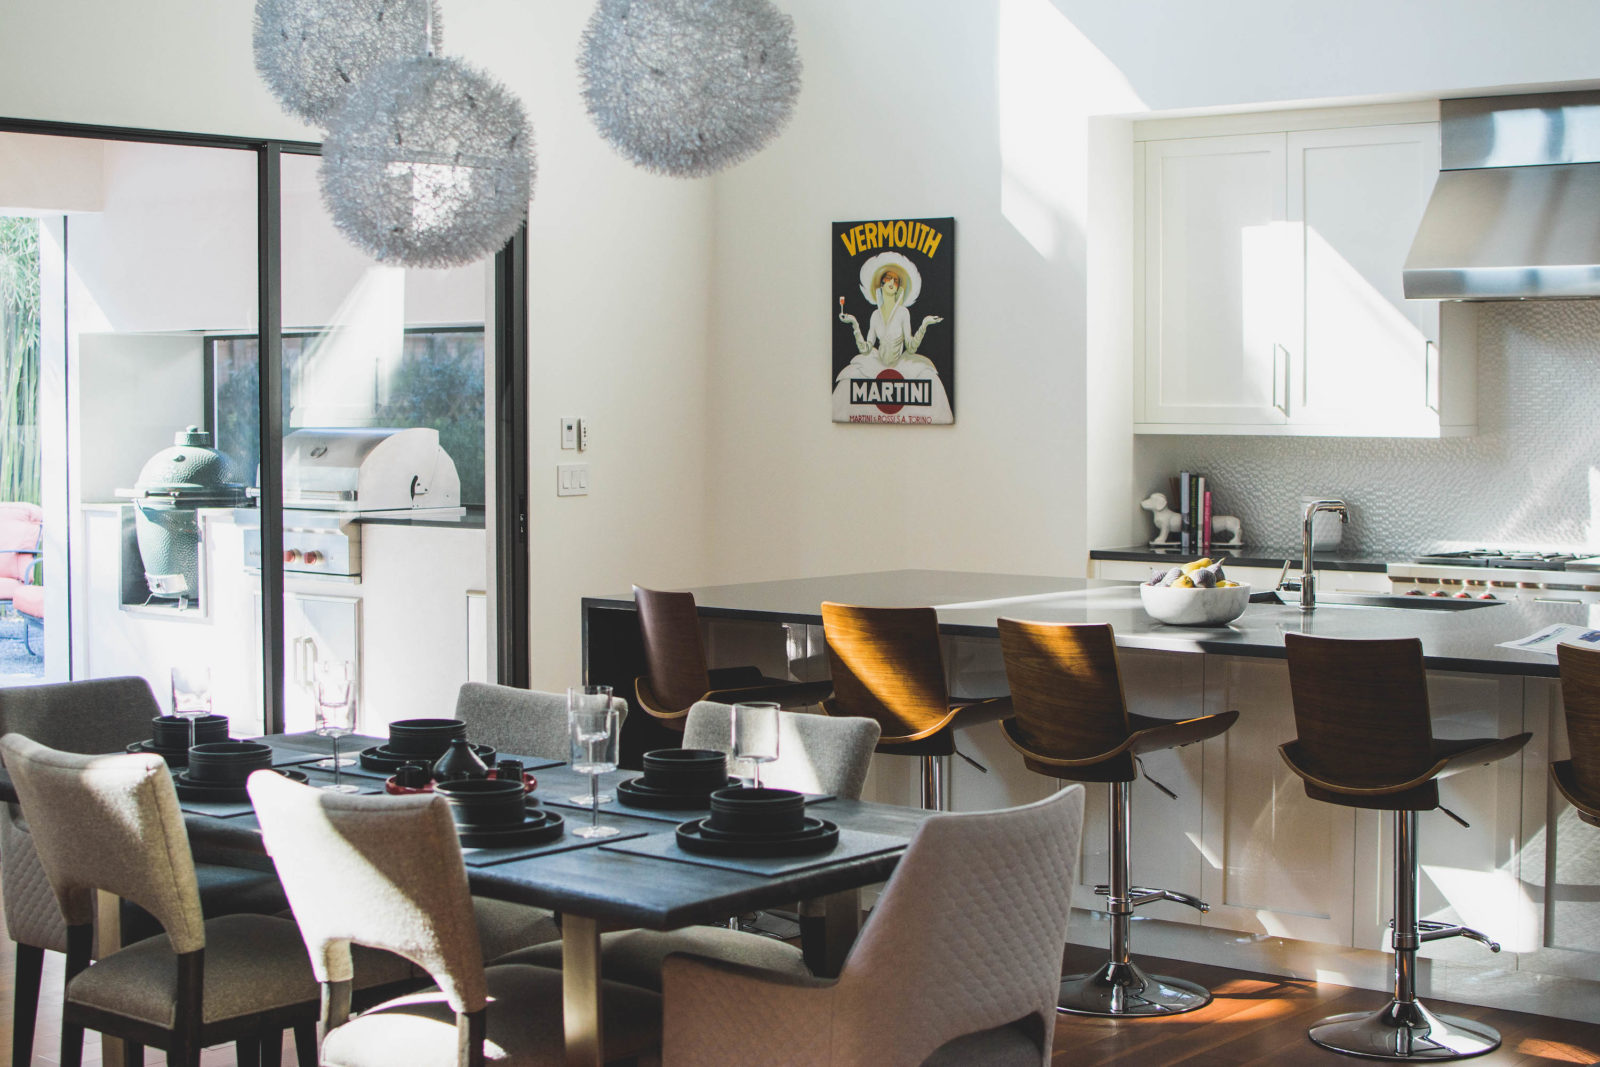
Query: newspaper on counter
[{"x": 1546, "y": 640}]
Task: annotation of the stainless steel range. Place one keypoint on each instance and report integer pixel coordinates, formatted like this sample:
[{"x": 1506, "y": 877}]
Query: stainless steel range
[
  {"x": 333, "y": 478},
  {"x": 1501, "y": 574}
]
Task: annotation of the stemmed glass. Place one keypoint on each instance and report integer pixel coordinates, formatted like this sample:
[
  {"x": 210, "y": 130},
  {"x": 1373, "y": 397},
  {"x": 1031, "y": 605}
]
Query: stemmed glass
[
  {"x": 755, "y": 734},
  {"x": 191, "y": 695},
  {"x": 592, "y": 730},
  {"x": 596, "y": 696},
  {"x": 335, "y": 713}
]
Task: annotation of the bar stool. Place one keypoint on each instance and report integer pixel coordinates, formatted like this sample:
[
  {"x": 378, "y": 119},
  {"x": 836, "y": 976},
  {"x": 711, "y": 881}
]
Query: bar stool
[
  {"x": 1365, "y": 740},
  {"x": 887, "y": 666},
  {"x": 677, "y": 677},
  {"x": 1073, "y": 722},
  {"x": 1578, "y": 777}
]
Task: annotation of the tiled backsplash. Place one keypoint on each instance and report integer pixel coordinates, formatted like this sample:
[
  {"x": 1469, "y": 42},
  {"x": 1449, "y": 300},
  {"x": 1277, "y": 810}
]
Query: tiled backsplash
[{"x": 1530, "y": 476}]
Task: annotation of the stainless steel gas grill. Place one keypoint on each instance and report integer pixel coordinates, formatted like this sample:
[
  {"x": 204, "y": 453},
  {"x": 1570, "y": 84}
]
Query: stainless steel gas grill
[{"x": 333, "y": 478}]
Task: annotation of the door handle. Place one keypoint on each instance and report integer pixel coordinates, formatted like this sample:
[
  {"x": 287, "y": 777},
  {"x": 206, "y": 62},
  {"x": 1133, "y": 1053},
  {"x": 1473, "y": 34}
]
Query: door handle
[
  {"x": 1430, "y": 376},
  {"x": 1282, "y": 379}
]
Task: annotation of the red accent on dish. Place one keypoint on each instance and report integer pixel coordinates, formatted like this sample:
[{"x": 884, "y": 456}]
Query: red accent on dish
[{"x": 394, "y": 788}]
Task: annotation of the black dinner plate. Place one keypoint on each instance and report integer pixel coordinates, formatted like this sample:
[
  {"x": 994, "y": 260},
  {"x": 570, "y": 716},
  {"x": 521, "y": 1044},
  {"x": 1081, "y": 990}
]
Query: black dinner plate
[
  {"x": 382, "y": 758},
  {"x": 821, "y": 837},
  {"x": 636, "y": 793},
  {"x": 175, "y": 757},
  {"x": 225, "y": 791},
  {"x": 537, "y": 826}
]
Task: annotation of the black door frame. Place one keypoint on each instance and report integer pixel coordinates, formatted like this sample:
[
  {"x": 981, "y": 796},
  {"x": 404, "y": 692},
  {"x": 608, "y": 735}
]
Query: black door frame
[{"x": 509, "y": 318}]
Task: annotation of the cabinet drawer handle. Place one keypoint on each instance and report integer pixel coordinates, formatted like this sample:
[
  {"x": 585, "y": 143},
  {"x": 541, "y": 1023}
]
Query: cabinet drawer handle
[
  {"x": 1430, "y": 376},
  {"x": 1554, "y": 600},
  {"x": 1282, "y": 379}
]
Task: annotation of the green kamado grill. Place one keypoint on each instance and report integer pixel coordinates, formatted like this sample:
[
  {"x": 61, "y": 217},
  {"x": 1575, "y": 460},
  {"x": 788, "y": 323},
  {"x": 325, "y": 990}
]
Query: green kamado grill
[{"x": 173, "y": 485}]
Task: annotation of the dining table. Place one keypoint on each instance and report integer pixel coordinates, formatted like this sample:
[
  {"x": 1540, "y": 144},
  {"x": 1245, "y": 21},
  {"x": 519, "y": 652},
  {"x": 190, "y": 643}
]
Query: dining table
[{"x": 638, "y": 878}]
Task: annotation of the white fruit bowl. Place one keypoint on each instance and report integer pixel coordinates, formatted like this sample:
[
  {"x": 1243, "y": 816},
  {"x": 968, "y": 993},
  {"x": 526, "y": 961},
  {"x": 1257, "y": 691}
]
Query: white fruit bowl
[{"x": 1194, "y": 607}]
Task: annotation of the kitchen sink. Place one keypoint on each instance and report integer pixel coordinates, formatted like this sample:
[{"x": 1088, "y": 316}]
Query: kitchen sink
[{"x": 1381, "y": 600}]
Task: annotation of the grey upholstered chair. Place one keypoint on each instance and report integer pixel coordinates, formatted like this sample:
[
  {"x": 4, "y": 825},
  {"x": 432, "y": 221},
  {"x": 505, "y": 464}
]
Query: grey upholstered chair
[
  {"x": 521, "y": 722},
  {"x": 959, "y": 964},
  {"x": 102, "y": 715},
  {"x": 816, "y": 754},
  {"x": 394, "y": 864},
  {"x": 112, "y": 823}
]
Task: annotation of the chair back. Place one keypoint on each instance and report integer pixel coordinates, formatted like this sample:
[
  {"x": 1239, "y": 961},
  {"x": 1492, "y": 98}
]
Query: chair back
[
  {"x": 379, "y": 871},
  {"x": 520, "y": 722},
  {"x": 93, "y": 716},
  {"x": 20, "y": 526},
  {"x": 996, "y": 889},
  {"x": 887, "y": 666},
  {"x": 816, "y": 753},
  {"x": 1065, "y": 686},
  {"x": 674, "y": 652},
  {"x": 1580, "y": 692},
  {"x": 32, "y": 915},
  {"x": 1360, "y": 709},
  {"x": 111, "y": 823}
]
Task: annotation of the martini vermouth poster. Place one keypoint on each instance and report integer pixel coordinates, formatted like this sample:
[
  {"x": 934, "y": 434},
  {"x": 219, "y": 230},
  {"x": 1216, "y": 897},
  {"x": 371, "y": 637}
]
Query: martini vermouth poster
[{"x": 894, "y": 324}]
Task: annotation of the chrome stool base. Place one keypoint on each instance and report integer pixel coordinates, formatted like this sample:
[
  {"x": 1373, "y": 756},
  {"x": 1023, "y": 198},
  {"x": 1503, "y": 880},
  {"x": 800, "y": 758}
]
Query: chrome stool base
[
  {"x": 1121, "y": 990},
  {"x": 1405, "y": 1032}
]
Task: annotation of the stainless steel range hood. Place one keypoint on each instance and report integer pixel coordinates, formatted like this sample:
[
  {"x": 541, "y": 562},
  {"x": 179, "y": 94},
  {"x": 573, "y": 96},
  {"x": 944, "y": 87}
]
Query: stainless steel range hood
[{"x": 1516, "y": 212}]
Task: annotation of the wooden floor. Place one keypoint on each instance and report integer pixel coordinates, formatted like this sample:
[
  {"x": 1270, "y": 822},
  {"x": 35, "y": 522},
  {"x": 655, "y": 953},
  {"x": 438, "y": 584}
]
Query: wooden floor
[{"x": 1254, "y": 1021}]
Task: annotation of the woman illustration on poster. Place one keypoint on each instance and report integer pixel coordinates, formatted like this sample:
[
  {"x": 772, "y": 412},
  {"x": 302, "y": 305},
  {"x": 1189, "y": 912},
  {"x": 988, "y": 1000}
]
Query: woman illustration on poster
[{"x": 892, "y": 283}]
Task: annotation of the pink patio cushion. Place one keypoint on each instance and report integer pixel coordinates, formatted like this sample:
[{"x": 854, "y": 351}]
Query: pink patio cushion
[
  {"x": 29, "y": 599},
  {"x": 19, "y": 538}
]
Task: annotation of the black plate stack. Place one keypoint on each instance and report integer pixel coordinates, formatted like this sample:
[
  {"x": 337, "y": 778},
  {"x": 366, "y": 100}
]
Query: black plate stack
[
  {"x": 493, "y": 814},
  {"x": 677, "y": 779},
  {"x": 169, "y": 736},
  {"x": 419, "y": 740},
  {"x": 758, "y": 822},
  {"x": 218, "y": 770}
]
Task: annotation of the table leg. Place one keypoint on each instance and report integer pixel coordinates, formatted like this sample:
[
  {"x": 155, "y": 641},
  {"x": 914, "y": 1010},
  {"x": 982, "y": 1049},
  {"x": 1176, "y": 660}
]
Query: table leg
[
  {"x": 580, "y": 990},
  {"x": 108, "y": 938},
  {"x": 842, "y": 919}
]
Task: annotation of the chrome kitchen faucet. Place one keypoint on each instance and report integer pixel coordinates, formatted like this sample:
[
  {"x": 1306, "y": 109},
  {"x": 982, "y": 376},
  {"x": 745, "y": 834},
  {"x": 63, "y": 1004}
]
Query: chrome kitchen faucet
[{"x": 1308, "y": 582}]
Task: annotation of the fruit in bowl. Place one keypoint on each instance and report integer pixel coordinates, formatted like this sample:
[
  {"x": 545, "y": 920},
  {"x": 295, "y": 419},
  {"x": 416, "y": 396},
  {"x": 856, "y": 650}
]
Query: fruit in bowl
[{"x": 1195, "y": 594}]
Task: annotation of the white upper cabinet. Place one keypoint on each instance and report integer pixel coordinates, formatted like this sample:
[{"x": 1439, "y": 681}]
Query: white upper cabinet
[{"x": 1271, "y": 288}]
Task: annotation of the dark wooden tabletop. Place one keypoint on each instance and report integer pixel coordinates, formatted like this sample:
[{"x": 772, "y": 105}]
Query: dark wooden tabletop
[{"x": 615, "y": 887}]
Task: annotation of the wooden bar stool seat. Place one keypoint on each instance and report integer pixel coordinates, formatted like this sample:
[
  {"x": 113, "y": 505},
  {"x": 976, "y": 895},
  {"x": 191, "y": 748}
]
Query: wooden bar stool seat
[
  {"x": 1365, "y": 740},
  {"x": 1072, "y": 722},
  {"x": 1578, "y": 777},
  {"x": 887, "y": 666},
  {"x": 678, "y": 677}
]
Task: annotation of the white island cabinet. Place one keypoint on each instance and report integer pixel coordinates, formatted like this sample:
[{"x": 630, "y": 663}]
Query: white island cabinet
[{"x": 1268, "y": 292}]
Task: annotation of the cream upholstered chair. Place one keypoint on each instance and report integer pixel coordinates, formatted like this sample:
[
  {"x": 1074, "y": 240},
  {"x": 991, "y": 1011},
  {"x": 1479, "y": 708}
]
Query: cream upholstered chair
[
  {"x": 520, "y": 722},
  {"x": 393, "y": 865},
  {"x": 959, "y": 963},
  {"x": 816, "y": 754},
  {"x": 112, "y": 823},
  {"x": 100, "y": 715}
]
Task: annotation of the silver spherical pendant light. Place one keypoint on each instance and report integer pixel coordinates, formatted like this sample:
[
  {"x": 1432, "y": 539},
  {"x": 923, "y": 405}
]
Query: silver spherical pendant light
[
  {"x": 312, "y": 53},
  {"x": 429, "y": 164},
  {"x": 688, "y": 87}
]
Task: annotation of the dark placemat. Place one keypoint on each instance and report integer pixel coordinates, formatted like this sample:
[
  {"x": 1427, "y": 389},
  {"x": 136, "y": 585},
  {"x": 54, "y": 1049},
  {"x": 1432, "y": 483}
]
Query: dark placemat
[
  {"x": 228, "y": 809},
  {"x": 853, "y": 845},
  {"x": 532, "y": 764},
  {"x": 488, "y": 857},
  {"x": 616, "y": 807}
]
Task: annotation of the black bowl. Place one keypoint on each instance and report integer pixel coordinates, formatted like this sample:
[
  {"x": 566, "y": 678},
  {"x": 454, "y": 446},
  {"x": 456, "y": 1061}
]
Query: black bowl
[
  {"x": 685, "y": 770},
  {"x": 484, "y": 801},
  {"x": 758, "y": 811},
  {"x": 169, "y": 732},
  {"x": 228, "y": 761},
  {"x": 424, "y": 737}
]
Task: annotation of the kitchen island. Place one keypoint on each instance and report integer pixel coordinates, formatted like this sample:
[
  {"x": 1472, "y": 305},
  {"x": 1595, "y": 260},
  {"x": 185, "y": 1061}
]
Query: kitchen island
[{"x": 1297, "y": 887}]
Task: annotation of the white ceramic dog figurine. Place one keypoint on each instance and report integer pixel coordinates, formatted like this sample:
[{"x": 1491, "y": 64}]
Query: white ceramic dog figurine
[
  {"x": 1225, "y": 530},
  {"x": 1167, "y": 522}
]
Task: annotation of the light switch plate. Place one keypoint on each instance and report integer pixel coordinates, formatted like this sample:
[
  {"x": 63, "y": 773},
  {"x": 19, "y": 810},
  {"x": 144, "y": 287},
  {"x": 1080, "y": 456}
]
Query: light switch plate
[
  {"x": 569, "y": 432},
  {"x": 583, "y": 435},
  {"x": 572, "y": 479}
]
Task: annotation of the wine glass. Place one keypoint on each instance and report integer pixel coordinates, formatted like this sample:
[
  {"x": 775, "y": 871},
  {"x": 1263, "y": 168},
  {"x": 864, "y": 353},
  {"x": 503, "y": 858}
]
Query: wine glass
[
  {"x": 597, "y": 696},
  {"x": 191, "y": 695},
  {"x": 592, "y": 729},
  {"x": 755, "y": 734},
  {"x": 336, "y": 715}
]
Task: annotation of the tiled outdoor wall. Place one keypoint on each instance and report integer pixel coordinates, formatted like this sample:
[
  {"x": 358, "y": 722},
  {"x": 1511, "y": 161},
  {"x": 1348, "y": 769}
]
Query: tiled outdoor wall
[{"x": 1530, "y": 477}]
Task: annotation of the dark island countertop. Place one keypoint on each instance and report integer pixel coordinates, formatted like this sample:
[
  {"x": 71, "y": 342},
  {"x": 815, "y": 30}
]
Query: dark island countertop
[
  {"x": 1332, "y": 559},
  {"x": 969, "y": 602}
]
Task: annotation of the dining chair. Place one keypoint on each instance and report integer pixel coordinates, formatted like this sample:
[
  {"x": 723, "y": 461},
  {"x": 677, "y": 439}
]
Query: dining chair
[
  {"x": 676, "y": 673},
  {"x": 386, "y": 872},
  {"x": 1578, "y": 776},
  {"x": 112, "y": 824},
  {"x": 816, "y": 754},
  {"x": 887, "y": 666},
  {"x": 100, "y": 715},
  {"x": 521, "y": 722},
  {"x": 996, "y": 886}
]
